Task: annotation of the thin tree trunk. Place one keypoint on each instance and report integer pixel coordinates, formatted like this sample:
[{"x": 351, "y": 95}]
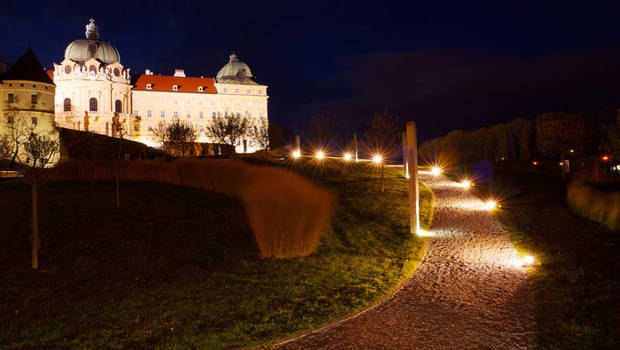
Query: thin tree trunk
[
  {"x": 118, "y": 190},
  {"x": 35, "y": 225}
]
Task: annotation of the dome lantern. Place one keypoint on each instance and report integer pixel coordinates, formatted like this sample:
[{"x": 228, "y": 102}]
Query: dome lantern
[
  {"x": 235, "y": 71},
  {"x": 81, "y": 50}
]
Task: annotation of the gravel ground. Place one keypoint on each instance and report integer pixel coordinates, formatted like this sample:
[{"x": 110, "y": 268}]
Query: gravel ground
[{"x": 468, "y": 293}]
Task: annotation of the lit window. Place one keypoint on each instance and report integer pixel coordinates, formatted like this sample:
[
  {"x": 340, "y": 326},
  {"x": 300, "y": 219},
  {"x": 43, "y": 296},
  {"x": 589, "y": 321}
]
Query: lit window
[
  {"x": 213, "y": 115},
  {"x": 149, "y": 113},
  {"x": 163, "y": 114},
  {"x": 68, "y": 69},
  {"x": 118, "y": 106},
  {"x": 34, "y": 120},
  {"x": 34, "y": 98},
  {"x": 176, "y": 114},
  {"x": 92, "y": 68},
  {"x": 135, "y": 113},
  {"x": 117, "y": 72},
  {"x": 11, "y": 97},
  {"x": 175, "y": 87},
  {"x": 225, "y": 90},
  {"x": 67, "y": 104},
  {"x": 150, "y": 128},
  {"x": 249, "y": 91},
  {"x": 149, "y": 86},
  {"x": 236, "y": 91},
  {"x": 188, "y": 115},
  {"x": 201, "y": 89},
  {"x": 202, "y": 128},
  {"x": 201, "y": 115}
]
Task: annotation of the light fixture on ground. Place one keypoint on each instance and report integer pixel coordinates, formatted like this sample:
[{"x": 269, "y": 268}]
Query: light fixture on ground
[
  {"x": 296, "y": 154},
  {"x": 319, "y": 155},
  {"x": 528, "y": 260},
  {"x": 436, "y": 170},
  {"x": 377, "y": 159},
  {"x": 490, "y": 205},
  {"x": 466, "y": 184},
  {"x": 347, "y": 156}
]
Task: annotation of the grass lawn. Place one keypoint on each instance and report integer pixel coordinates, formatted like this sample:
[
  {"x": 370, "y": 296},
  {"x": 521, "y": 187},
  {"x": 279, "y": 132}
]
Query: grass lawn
[
  {"x": 576, "y": 290},
  {"x": 177, "y": 268}
]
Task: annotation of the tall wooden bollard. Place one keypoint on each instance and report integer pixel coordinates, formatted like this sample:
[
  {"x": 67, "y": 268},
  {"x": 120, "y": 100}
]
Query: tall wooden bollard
[
  {"x": 405, "y": 153},
  {"x": 412, "y": 161},
  {"x": 297, "y": 144},
  {"x": 355, "y": 144}
]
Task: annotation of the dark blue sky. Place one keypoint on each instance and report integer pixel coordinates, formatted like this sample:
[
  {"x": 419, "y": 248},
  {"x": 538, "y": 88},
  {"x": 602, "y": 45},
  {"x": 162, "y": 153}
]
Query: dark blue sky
[{"x": 447, "y": 65}]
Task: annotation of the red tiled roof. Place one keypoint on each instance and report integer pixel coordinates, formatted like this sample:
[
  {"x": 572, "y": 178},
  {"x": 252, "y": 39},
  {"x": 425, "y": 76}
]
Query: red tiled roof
[{"x": 166, "y": 82}]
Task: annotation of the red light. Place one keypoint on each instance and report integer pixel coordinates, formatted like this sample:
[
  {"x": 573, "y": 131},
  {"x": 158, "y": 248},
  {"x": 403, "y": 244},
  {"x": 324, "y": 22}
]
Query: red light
[
  {"x": 534, "y": 163},
  {"x": 605, "y": 158}
]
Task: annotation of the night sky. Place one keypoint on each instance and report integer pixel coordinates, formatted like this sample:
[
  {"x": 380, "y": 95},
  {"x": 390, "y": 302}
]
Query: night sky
[{"x": 458, "y": 65}]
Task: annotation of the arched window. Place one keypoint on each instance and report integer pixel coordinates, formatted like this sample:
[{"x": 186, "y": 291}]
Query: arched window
[
  {"x": 118, "y": 106},
  {"x": 92, "y": 103},
  {"x": 67, "y": 105}
]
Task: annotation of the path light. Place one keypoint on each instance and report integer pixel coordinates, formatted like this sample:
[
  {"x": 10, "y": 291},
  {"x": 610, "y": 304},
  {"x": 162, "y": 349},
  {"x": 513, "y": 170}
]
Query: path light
[
  {"x": 528, "y": 260},
  {"x": 490, "y": 205},
  {"x": 320, "y": 155},
  {"x": 436, "y": 170},
  {"x": 347, "y": 156},
  {"x": 296, "y": 154},
  {"x": 605, "y": 158},
  {"x": 377, "y": 159},
  {"x": 466, "y": 184}
]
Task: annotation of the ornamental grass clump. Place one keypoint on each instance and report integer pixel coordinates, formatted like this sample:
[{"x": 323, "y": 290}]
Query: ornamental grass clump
[
  {"x": 287, "y": 213},
  {"x": 603, "y": 207}
]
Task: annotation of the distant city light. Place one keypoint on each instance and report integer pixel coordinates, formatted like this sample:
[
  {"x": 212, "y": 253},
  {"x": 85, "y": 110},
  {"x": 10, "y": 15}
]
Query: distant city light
[
  {"x": 572, "y": 151},
  {"x": 347, "y": 156},
  {"x": 436, "y": 170},
  {"x": 296, "y": 154},
  {"x": 320, "y": 155},
  {"x": 605, "y": 158},
  {"x": 377, "y": 159},
  {"x": 534, "y": 163}
]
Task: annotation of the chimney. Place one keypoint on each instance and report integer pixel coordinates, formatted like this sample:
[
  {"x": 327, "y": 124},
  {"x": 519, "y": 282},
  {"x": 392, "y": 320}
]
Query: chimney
[
  {"x": 148, "y": 72},
  {"x": 179, "y": 73}
]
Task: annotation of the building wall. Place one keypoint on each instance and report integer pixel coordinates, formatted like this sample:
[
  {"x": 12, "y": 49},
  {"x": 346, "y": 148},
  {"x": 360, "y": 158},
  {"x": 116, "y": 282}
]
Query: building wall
[
  {"x": 199, "y": 109},
  {"x": 80, "y": 83},
  {"x": 23, "y": 114}
]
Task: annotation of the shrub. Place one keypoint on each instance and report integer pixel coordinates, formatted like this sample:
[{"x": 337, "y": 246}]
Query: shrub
[
  {"x": 287, "y": 213},
  {"x": 603, "y": 207}
]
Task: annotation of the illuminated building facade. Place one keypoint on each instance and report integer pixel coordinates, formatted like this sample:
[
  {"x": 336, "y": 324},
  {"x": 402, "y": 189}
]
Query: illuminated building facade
[{"x": 93, "y": 88}]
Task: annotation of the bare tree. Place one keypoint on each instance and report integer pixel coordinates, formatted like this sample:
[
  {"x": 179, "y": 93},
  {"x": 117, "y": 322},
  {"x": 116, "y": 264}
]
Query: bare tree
[
  {"x": 261, "y": 133},
  {"x": 6, "y": 147},
  {"x": 40, "y": 151},
  {"x": 119, "y": 131},
  {"x": 384, "y": 134},
  {"x": 179, "y": 135},
  {"x": 19, "y": 130},
  {"x": 228, "y": 129}
]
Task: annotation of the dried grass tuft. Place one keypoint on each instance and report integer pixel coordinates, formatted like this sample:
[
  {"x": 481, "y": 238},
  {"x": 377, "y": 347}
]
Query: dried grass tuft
[{"x": 287, "y": 213}]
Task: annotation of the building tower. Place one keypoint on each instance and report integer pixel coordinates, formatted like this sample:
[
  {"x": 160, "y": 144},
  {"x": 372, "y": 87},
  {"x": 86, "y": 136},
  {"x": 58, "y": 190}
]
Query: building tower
[{"x": 93, "y": 90}]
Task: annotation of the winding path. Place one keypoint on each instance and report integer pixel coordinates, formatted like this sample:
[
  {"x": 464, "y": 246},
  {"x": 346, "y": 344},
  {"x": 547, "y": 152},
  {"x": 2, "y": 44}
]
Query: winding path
[{"x": 466, "y": 294}]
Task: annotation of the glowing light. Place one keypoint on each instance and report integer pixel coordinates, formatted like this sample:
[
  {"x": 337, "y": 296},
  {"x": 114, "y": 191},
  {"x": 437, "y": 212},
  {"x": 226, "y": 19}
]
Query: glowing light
[
  {"x": 534, "y": 163},
  {"x": 424, "y": 233},
  {"x": 296, "y": 154},
  {"x": 436, "y": 170},
  {"x": 466, "y": 184},
  {"x": 320, "y": 155},
  {"x": 347, "y": 156},
  {"x": 528, "y": 260},
  {"x": 605, "y": 158},
  {"x": 377, "y": 159},
  {"x": 490, "y": 205},
  {"x": 572, "y": 151},
  {"x": 561, "y": 163}
]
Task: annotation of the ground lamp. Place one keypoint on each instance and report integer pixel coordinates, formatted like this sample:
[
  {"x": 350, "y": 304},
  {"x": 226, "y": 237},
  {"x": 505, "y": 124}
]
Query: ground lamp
[{"x": 436, "y": 170}]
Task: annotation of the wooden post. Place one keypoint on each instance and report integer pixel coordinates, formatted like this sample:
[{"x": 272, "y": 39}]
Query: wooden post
[
  {"x": 412, "y": 160},
  {"x": 405, "y": 160},
  {"x": 355, "y": 145}
]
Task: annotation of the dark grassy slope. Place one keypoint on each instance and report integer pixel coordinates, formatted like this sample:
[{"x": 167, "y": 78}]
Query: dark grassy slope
[
  {"x": 576, "y": 290},
  {"x": 177, "y": 268}
]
